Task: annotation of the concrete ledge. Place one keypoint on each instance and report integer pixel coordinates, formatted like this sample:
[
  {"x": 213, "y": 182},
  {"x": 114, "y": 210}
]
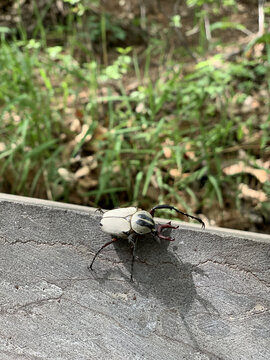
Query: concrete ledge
[{"x": 205, "y": 296}]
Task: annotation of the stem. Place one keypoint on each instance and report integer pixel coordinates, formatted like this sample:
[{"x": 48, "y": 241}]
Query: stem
[
  {"x": 104, "y": 39},
  {"x": 261, "y": 17},
  {"x": 207, "y": 24}
]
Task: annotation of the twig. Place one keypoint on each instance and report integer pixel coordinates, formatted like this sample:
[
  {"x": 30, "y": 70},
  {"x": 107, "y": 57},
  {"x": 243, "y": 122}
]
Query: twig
[
  {"x": 207, "y": 24},
  {"x": 143, "y": 14},
  {"x": 261, "y": 17}
]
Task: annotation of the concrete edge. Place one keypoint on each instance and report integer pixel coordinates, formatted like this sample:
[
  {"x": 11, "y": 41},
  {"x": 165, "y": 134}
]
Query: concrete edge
[
  {"x": 48, "y": 203},
  {"x": 91, "y": 210}
]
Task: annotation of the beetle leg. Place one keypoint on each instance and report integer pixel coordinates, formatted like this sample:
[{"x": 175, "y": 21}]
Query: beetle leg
[
  {"x": 90, "y": 267},
  {"x": 100, "y": 211},
  {"x": 165, "y": 226},
  {"x": 132, "y": 261},
  {"x": 133, "y": 240},
  {"x": 152, "y": 212}
]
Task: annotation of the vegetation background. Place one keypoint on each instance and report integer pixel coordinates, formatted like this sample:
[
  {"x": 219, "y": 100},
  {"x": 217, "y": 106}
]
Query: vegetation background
[{"x": 112, "y": 103}]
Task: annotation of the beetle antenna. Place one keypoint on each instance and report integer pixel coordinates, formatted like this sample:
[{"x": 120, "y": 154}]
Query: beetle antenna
[
  {"x": 152, "y": 212},
  {"x": 90, "y": 267}
]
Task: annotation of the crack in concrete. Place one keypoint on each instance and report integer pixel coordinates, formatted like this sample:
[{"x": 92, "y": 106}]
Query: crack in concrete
[
  {"x": 250, "y": 314},
  {"x": 38, "y": 302},
  {"x": 16, "y": 308},
  {"x": 80, "y": 249},
  {"x": 15, "y": 242},
  {"x": 233, "y": 267}
]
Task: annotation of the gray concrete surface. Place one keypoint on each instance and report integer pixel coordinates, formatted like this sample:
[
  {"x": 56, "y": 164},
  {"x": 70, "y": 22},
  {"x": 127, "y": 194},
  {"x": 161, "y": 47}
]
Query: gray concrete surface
[{"x": 205, "y": 296}]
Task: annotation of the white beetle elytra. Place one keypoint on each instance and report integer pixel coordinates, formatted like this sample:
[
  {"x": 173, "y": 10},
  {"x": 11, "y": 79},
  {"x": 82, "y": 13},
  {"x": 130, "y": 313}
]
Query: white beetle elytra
[
  {"x": 132, "y": 223},
  {"x": 121, "y": 222}
]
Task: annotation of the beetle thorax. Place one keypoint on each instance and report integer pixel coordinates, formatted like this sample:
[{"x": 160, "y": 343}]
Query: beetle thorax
[{"x": 142, "y": 222}]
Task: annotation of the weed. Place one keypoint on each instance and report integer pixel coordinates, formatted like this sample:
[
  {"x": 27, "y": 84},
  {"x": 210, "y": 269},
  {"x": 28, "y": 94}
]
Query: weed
[{"x": 118, "y": 133}]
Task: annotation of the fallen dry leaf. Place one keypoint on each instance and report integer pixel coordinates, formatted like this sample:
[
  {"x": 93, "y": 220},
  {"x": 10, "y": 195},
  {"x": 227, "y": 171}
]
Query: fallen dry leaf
[
  {"x": 132, "y": 86},
  {"x": 66, "y": 175},
  {"x": 258, "y": 50},
  {"x": 70, "y": 100},
  {"x": 90, "y": 161},
  {"x": 189, "y": 153},
  {"x": 263, "y": 164},
  {"x": 248, "y": 193},
  {"x": 88, "y": 182},
  {"x": 75, "y": 125},
  {"x": 175, "y": 173},
  {"x": 84, "y": 96},
  {"x": 250, "y": 104},
  {"x": 140, "y": 108},
  {"x": 83, "y": 171},
  {"x": 186, "y": 175},
  {"x": 241, "y": 167},
  {"x": 80, "y": 136},
  {"x": 2, "y": 146},
  {"x": 167, "y": 152}
]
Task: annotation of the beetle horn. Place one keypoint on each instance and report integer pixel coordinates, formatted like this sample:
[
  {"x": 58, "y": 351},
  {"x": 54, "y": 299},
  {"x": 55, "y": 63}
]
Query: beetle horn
[{"x": 152, "y": 212}]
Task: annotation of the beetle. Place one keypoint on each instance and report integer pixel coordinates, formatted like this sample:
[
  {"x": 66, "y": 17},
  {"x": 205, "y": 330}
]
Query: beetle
[{"x": 132, "y": 223}]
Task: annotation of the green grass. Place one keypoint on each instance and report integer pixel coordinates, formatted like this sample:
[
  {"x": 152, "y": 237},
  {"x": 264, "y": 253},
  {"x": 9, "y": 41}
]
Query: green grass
[{"x": 165, "y": 141}]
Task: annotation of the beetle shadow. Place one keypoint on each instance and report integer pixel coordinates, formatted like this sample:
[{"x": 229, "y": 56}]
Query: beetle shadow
[
  {"x": 160, "y": 273},
  {"x": 157, "y": 272}
]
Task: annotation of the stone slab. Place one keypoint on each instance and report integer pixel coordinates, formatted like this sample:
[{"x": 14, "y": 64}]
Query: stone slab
[{"x": 204, "y": 296}]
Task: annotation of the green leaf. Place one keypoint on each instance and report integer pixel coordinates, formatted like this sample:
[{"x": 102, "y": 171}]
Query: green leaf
[
  {"x": 227, "y": 25},
  {"x": 138, "y": 180},
  {"x": 150, "y": 173},
  {"x": 216, "y": 186},
  {"x": 39, "y": 149}
]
